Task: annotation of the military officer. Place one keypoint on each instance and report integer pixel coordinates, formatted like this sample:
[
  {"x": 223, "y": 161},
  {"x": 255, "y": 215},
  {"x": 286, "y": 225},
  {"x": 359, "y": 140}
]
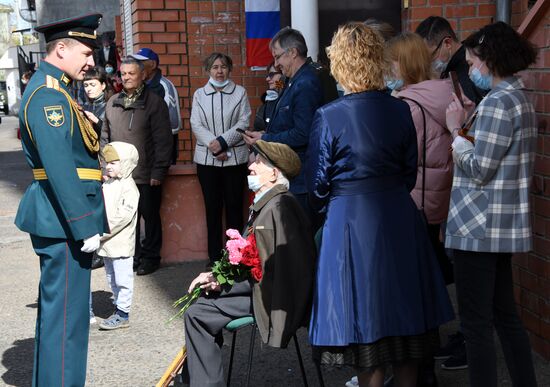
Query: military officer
[{"x": 62, "y": 209}]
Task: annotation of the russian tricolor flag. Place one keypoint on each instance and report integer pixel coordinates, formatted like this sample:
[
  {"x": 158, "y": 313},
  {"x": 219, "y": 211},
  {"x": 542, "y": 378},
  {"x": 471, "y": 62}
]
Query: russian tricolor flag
[{"x": 262, "y": 23}]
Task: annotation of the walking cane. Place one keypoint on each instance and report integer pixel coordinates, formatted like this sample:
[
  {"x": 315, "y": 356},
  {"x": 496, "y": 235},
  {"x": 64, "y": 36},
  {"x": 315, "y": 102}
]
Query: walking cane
[{"x": 173, "y": 369}]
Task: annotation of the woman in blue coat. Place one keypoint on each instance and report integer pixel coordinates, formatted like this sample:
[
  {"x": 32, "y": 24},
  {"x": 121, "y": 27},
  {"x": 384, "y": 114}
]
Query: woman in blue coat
[{"x": 380, "y": 295}]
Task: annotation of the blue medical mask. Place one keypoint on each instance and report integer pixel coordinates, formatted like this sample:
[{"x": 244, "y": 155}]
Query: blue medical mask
[
  {"x": 218, "y": 84},
  {"x": 109, "y": 70},
  {"x": 254, "y": 183},
  {"x": 483, "y": 82},
  {"x": 394, "y": 83},
  {"x": 439, "y": 66},
  {"x": 271, "y": 95}
]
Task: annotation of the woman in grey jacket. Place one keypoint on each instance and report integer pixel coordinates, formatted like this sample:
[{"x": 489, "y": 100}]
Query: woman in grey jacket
[
  {"x": 219, "y": 109},
  {"x": 489, "y": 211}
]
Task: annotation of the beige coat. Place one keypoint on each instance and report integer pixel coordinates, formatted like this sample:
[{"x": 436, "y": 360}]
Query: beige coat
[
  {"x": 282, "y": 299},
  {"x": 121, "y": 204},
  {"x": 218, "y": 115}
]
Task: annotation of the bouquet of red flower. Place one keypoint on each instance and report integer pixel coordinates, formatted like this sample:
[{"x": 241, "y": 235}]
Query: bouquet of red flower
[{"x": 240, "y": 261}]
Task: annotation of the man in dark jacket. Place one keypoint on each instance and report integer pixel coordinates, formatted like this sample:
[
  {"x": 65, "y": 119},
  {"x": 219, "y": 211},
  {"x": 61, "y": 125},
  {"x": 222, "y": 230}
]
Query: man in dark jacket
[
  {"x": 280, "y": 301},
  {"x": 140, "y": 117},
  {"x": 448, "y": 54},
  {"x": 301, "y": 97}
]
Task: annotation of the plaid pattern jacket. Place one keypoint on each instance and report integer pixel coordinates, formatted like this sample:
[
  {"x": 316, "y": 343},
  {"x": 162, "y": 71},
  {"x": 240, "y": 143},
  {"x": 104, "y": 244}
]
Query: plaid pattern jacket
[{"x": 489, "y": 209}]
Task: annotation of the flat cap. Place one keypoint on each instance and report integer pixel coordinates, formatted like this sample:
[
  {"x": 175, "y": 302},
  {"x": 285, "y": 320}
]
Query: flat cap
[
  {"x": 81, "y": 28},
  {"x": 281, "y": 156}
]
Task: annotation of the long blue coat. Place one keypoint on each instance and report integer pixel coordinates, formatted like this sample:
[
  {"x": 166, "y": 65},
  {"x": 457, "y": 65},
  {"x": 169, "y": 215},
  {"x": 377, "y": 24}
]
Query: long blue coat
[{"x": 377, "y": 275}]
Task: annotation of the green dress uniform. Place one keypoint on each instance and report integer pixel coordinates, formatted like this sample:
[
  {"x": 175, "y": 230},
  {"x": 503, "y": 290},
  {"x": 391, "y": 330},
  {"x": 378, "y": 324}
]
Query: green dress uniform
[{"x": 61, "y": 207}]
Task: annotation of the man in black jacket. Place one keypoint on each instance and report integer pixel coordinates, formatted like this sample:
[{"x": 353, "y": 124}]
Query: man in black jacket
[{"x": 448, "y": 54}]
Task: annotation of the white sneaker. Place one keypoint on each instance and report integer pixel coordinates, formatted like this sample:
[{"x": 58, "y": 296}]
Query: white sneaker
[
  {"x": 353, "y": 382},
  {"x": 93, "y": 320}
]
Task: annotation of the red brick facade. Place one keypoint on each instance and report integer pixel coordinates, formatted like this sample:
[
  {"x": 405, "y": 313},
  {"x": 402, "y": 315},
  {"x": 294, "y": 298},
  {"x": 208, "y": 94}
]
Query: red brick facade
[{"x": 184, "y": 32}]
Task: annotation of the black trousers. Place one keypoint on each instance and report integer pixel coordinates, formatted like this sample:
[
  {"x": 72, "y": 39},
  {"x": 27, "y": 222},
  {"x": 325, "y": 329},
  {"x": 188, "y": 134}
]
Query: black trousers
[
  {"x": 222, "y": 187},
  {"x": 149, "y": 208},
  {"x": 485, "y": 298}
]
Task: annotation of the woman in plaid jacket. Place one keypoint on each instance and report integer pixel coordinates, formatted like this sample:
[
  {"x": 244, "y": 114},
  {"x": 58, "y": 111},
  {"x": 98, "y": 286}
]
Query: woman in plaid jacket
[{"x": 489, "y": 211}]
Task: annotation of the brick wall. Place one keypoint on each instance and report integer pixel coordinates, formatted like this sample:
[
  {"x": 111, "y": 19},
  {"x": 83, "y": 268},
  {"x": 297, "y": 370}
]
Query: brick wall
[
  {"x": 531, "y": 271},
  {"x": 184, "y": 33}
]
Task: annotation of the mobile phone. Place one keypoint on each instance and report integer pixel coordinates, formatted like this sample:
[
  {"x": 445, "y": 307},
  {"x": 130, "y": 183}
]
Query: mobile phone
[
  {"x": 456, "y": 86},
  {"x": 241, "y": 131}
]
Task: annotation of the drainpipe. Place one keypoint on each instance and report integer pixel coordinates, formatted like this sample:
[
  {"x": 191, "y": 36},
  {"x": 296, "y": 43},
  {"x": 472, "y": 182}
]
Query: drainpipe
[
  {"x": 504, "y": 10},
  {"x": 305, "y": 18}
]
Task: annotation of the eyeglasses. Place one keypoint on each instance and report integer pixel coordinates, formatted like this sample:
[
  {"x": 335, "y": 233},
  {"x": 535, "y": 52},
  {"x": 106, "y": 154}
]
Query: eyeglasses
[
  {"x": 278, "y": 56},
  {"x": 439, "y": 45},
  {"x": 273, "y": 73}
]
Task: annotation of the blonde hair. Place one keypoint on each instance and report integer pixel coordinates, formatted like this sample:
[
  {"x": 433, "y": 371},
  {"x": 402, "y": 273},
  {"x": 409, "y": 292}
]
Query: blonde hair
[
  {"x": 356, "y": 57},
  {"x": 413, "y": 57}
]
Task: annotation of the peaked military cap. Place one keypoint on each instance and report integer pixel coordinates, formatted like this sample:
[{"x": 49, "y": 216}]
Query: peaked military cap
[{"x": 81, "y": 28}]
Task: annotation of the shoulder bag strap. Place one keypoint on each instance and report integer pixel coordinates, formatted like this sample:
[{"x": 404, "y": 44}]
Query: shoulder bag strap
[{"x": 423, "y": 148}]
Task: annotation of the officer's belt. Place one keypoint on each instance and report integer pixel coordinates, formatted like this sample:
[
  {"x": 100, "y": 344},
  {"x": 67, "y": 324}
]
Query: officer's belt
[{"x": 83, "y": 173}]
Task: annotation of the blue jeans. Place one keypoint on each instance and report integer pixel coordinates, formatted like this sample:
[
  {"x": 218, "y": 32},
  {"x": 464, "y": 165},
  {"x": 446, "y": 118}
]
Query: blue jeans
[{"x": 486, "y": 300}]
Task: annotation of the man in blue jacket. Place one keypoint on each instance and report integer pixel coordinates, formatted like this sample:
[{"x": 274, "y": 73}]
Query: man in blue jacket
[
  {"x": 62, "y": 209},
  {"x": 302, "y": 95}
]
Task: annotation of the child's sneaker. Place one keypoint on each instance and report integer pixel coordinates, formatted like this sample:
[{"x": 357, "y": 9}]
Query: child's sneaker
[
  {"x": 353, "y": 382},
  {"x": 114, "y": 322}
]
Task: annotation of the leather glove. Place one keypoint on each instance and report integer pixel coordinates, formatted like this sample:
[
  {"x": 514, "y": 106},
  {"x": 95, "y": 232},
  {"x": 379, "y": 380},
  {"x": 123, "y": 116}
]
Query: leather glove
[{"x": 91, "y": 244}]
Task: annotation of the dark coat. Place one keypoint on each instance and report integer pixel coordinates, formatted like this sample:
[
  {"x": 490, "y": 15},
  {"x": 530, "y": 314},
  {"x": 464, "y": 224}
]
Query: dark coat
[
  {"x": 291, "y": 122},
  {"x": 282, "y": 299},
  {"x": 99, "y": 56},
  {"x": 146, "y": 125}
]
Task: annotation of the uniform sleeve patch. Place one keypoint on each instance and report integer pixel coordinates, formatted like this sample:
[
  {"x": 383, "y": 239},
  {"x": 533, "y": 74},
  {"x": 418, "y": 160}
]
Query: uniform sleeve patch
[{"x": 54, "y": 115}]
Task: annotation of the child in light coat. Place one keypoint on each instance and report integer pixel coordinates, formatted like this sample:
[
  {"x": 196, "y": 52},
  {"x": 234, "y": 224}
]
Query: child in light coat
[{"x": 117, "y": 248}]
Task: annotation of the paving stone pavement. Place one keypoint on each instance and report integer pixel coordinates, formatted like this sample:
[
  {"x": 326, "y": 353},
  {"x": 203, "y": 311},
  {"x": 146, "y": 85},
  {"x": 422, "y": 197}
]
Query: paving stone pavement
[{"x": 136, "y": 356}]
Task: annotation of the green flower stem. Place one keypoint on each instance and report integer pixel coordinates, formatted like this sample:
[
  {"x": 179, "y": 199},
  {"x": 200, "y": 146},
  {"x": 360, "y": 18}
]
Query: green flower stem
[{"x": 187, "y": 301}]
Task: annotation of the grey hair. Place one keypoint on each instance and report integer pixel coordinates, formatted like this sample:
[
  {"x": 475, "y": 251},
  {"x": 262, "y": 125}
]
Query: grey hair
[
  {"x": 289, "y": 38},
  {"x": 281, "y": 178},
  {"x": 128, "y": 60}
]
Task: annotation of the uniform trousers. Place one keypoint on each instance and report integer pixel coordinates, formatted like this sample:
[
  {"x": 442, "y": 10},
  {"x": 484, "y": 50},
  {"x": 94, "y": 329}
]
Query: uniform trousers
[
  {"x": 485, "y": 296},
  {"x": 63, "y": 321},
  {"x": 149, "y": 208},
  {"x": 120, "y": 277},
  {"x": 222, "y": 187}
]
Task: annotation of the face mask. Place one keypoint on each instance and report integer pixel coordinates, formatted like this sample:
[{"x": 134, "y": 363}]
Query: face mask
[
  {"x": 394, "y": 84},
  {"x": 109, "y": 70},
  {"x": 254, "y": 183},
  {"x": 439, "y": 66},
  {"x": 218, "y": 84},
  {"x": 483, "y": 82},
  {"x": 271, "y": 95}
]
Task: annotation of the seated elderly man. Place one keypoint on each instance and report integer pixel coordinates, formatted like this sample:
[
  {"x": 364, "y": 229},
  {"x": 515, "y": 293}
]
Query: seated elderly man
[{"x": 280, "y": 302}]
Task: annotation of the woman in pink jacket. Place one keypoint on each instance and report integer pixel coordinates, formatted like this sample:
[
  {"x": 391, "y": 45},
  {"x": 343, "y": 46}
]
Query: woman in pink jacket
[
  {"x": 411, "y": 64},
  {"x": 412, "y": 71}
]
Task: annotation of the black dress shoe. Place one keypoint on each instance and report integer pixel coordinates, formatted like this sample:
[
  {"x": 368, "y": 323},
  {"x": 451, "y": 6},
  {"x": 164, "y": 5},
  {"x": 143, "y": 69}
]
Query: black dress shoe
[
  {"x": 97, "y": 262},
  {"x": 147, "y": 267}
]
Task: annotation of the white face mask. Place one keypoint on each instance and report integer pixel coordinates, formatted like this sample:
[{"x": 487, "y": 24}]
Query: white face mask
[
  {"x": 254, "y": 183},
  {"x": 215, "y": 83},
  {"x": 271, "y": 95}
]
